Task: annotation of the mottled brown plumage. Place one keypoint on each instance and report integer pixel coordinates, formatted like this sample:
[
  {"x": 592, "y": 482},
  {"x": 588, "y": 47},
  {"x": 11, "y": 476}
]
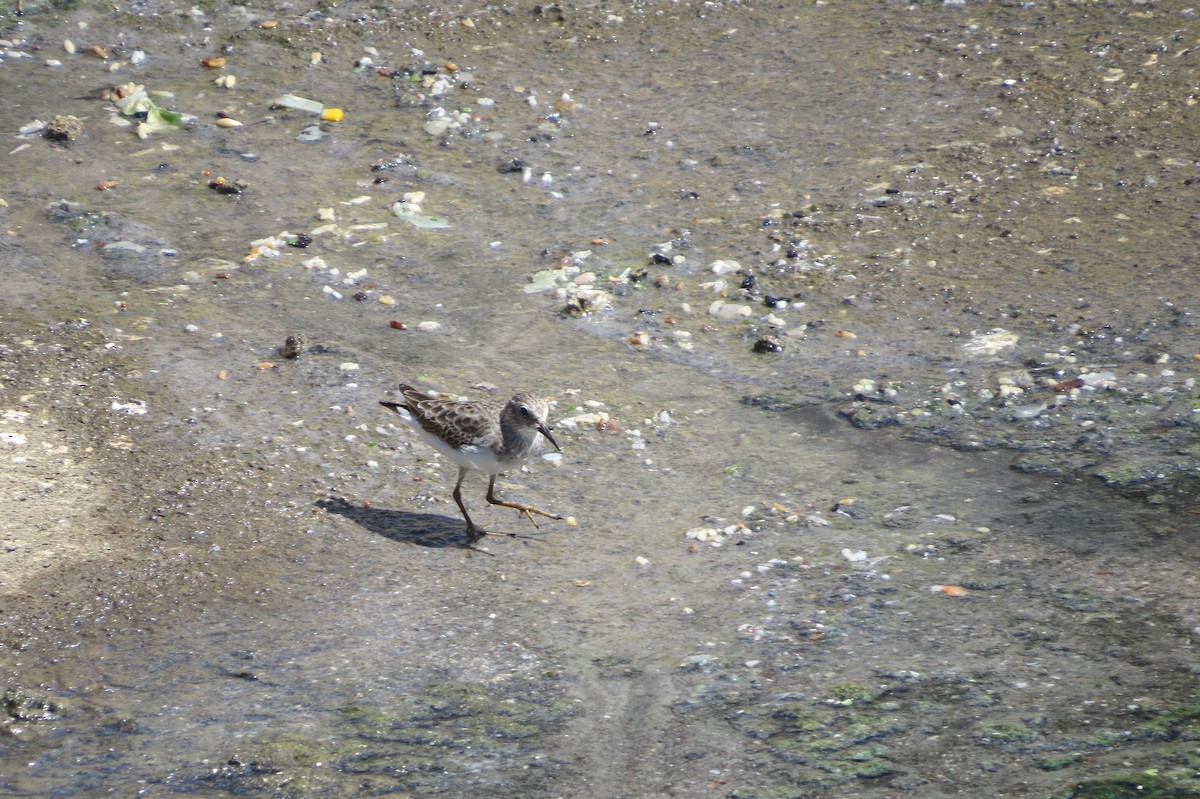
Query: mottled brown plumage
[{"x": 478, "y": 435}]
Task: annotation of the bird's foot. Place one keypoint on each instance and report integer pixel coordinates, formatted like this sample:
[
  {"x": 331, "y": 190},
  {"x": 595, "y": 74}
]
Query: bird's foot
[{"x": 529, "y": 510}]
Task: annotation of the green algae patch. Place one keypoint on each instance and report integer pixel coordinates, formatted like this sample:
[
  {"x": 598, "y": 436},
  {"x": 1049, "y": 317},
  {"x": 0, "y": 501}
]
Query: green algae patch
[
  {"x": 23, "y": 704},
  {"x": 1127, "y": 786},
  {"x": 1004, "y": 733},
  {"x": 853, "y": 693},
  {"x": 1060, "y": 762}
]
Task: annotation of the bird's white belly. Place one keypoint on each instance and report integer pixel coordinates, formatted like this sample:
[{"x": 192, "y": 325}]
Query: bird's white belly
[{"x": 480, "y": 459}]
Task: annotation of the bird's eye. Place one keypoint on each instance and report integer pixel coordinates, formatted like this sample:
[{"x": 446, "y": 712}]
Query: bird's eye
[{"x": 525, "y": 411}]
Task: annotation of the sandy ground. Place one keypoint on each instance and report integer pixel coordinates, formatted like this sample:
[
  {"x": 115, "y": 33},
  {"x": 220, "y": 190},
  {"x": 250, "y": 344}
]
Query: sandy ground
[{"x": 800, "y": 659}]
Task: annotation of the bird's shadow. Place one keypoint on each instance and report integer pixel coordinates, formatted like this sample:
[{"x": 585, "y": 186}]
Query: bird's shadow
[{"x": 405, "y": 527}]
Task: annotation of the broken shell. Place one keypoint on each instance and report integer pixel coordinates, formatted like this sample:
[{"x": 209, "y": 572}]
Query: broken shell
[
  {"x": 63, "y": 128},
  {"x": 844, "y": 334},
  {"x": 226, "y": 122}
]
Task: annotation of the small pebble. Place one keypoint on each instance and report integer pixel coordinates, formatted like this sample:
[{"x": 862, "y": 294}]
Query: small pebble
[
  {"x": 768, "y": 344},
  {"x": 728, "y": 310},
  {"x": 294, "y": 345},
  {"x": 63, "y": 128}
]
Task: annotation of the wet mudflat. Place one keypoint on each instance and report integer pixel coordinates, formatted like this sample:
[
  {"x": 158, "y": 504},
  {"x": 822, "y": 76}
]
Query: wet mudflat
[{"x": 806, "y": 284}]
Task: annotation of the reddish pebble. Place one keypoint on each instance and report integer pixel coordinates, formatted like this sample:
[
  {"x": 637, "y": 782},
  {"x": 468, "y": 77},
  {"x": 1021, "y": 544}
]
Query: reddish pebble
[
  {"x": 397, "y": 325},
  {"x": 222, "y": 275},
  {"x": 1067, "y": 385}
]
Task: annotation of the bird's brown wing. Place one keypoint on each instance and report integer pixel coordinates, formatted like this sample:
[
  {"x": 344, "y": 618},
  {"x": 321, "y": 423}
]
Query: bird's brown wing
[{"x": 459, "y": 424}]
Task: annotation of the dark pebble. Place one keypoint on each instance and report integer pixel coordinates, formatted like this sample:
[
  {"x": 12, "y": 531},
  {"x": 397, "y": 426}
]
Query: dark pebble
[
  {"x": 768, "y": 344},
  {"x": 226, "y": 187},
  {"x": 294, "y": 345}
]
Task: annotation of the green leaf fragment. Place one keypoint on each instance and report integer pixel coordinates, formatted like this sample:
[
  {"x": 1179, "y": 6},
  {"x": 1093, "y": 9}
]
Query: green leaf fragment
[{"x": 159, "y": 118}]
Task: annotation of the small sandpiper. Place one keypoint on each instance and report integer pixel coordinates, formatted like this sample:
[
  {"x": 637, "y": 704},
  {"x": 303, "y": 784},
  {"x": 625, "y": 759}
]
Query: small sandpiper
[{"x": 480, "y": 436}]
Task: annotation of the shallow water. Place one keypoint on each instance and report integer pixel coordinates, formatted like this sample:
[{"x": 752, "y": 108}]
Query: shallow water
[{"x": 280, "y": 600}]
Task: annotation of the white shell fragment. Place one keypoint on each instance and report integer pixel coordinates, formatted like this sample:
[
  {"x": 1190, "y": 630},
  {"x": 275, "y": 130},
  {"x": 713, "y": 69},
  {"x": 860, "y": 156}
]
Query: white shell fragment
[
  {"x": 1028, "y": 411},
  {"x": 410, "y": 214},
  {"x": 729, "y": 310},
  {"x": 1099, "y": 379},
  {"x": 134, "y": 407},
  {"x": 993, "y": 342}
]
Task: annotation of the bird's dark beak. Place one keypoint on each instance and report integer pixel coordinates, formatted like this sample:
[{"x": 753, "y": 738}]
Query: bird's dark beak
[{"x": 546, "y": 432}]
